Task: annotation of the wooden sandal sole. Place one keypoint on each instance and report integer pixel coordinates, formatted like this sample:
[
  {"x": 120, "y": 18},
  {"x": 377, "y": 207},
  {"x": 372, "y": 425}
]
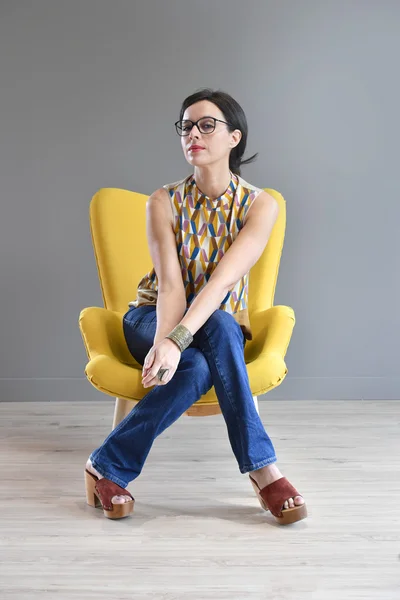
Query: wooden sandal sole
[
  {"x": 92, "y": 498},
  {"x": 289, "y": 515}
]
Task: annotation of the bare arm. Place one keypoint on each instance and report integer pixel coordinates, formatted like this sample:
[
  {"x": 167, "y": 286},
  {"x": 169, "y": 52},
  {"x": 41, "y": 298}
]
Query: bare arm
[
  {"x": 236, "y": 262},
  {"x": 171, "y": 299}
]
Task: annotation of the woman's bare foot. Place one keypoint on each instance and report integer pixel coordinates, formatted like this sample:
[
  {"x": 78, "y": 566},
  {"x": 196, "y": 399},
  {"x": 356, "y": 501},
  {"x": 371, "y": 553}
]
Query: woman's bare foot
[
  {"x": 268, "y": 475},
  {"x": 114, "y": 499}
]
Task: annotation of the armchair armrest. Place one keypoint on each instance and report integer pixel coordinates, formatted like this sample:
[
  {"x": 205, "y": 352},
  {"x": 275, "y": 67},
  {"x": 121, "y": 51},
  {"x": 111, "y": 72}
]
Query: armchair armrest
[
  {"x": 102, "y": 333},
  {"x": 265, "y": 354},
  {"x": 111, "y": 367},
  {"x": 273, "y": 329}
]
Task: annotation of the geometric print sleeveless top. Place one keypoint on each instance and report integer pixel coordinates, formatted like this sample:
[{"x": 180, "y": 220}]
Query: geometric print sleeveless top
[{"x": 204, "y": 230}]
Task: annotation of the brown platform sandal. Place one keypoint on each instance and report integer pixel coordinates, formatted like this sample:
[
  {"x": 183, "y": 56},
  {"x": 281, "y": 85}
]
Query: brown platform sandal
[
  {"x": 99, "y": 493},
  {"x": 273, "y": 496}
]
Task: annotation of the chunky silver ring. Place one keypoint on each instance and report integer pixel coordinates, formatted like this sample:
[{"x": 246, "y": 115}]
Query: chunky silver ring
[{"x": 161, "y": 372}]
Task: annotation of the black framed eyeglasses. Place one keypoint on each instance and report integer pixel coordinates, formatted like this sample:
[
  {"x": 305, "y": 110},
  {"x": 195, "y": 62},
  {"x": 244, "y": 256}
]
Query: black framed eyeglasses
[{"x": 204, "y": 125}]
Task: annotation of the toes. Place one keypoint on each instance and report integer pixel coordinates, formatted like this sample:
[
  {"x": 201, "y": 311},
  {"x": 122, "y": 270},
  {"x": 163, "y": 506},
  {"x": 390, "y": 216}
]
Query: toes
[
  {"x": 292, "y": 502},
  {"x": 119, "y": 499}
]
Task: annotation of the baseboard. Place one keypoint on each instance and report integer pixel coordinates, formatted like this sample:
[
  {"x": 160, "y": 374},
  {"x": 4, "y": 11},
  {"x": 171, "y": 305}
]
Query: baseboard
[
  {"x": 49, "y": 389},
  {"x": 336, "y": 388},
  {"x": 70, "y": 389}
]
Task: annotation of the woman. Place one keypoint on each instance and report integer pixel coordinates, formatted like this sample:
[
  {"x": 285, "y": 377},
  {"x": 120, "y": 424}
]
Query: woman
[{"x": 189, "y": 323}]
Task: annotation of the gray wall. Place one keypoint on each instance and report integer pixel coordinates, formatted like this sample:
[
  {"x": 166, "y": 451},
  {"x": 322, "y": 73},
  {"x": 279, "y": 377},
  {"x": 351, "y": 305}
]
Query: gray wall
[{"x": 89, "y": 94}]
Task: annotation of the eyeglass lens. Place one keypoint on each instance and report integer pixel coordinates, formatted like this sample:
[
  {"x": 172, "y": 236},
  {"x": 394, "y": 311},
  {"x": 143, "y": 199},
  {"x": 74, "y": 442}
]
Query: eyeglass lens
[{"x": 205, "y": 125}]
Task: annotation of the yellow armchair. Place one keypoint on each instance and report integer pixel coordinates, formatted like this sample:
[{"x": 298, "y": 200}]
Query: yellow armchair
[{"x": 118, "y": 229}]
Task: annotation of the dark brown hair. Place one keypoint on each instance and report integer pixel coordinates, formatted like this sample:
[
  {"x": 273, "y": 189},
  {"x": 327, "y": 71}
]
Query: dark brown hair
[{"x": 233, "y": 114}]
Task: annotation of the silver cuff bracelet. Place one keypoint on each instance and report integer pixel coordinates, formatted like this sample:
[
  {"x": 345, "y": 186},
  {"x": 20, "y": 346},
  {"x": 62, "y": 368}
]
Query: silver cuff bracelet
[{"x": 181, "y": 336}]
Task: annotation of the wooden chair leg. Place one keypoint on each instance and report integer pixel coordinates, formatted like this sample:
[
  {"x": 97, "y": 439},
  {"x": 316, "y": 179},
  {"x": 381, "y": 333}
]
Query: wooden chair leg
[
  {"x": 122, "y": 408},
  {"x": 256, "y": 403}
]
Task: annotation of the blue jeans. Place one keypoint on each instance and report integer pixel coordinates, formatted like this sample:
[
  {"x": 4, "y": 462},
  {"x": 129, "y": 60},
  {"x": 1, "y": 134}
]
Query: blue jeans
[{"x": 214, "y": 358}]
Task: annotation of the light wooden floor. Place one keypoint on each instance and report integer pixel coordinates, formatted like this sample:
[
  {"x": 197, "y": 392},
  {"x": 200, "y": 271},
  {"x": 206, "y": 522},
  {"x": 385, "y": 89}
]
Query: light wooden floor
[{"x": 198, "y": 531}]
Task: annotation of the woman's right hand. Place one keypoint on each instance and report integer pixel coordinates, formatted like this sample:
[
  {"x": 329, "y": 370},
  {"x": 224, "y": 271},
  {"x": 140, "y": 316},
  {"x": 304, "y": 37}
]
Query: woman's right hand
[{"x": 165, "y": 355}]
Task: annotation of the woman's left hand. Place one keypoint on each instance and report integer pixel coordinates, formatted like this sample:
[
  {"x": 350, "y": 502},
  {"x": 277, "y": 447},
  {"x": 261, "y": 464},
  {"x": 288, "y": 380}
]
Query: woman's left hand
[{"x": 165, "y": 355}]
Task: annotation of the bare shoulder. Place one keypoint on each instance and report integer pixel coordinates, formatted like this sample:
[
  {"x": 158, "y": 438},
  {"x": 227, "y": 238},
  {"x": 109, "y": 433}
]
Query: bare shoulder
[
  {"x": 159, "y": 204},
  {"x": 266, "y": 200},
  {"x": 264, "y": 207},
  {"x": 159, "y": 196}
]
